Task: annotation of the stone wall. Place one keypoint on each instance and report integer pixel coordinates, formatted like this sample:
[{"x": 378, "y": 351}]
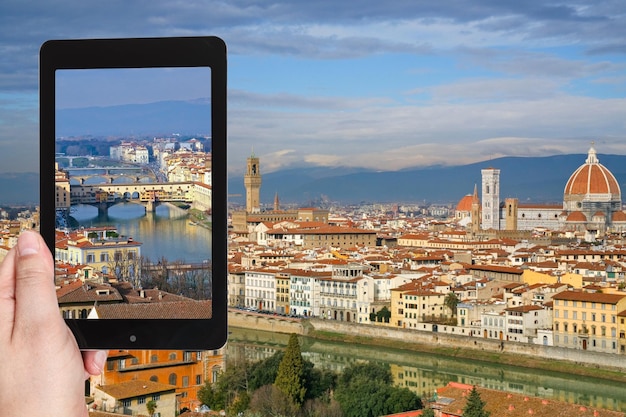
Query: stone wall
[
  {"x": 604, "y": 360},
  {"x": 280, "y": 324}
]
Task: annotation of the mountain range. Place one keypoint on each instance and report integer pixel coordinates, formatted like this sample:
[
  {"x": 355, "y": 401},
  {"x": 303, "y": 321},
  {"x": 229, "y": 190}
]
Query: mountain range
[
  {"x": 530, "y": 179},
  {"x": 158, "y": 118}
]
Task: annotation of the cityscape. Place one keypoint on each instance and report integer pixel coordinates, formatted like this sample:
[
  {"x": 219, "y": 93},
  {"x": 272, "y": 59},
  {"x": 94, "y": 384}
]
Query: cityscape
[{"x": 533, "y": 279}]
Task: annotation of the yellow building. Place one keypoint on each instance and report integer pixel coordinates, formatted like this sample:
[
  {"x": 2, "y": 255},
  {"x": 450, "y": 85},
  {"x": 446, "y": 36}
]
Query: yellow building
[
  {"x": 104, "y": 252},
  {"x": 282, "y": 292},
  {"x": 62, "y": 189},
  {"x": 588, "y": 320},
  {"x": 621, "y": 327},
  {"x": 411, "y": 304}
]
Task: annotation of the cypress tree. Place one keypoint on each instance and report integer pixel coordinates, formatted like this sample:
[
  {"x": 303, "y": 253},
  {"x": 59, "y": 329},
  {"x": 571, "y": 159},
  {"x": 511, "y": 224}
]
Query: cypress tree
[
  {"x": 290, "y": 376},
  {"x": 475, "y": 406}
]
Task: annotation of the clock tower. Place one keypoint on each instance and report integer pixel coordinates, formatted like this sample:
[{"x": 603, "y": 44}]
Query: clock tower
[{"x": 252, "y": 182}]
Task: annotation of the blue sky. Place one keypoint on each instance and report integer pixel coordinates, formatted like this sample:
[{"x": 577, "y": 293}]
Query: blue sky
[{"x": 382, "y": 85}]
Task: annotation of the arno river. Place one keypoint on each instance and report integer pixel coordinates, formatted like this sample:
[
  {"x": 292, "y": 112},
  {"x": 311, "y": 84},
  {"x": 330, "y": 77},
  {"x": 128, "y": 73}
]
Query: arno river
[
  {"x": 423, "y": 373},
  {"x": 167, "y": 232}
]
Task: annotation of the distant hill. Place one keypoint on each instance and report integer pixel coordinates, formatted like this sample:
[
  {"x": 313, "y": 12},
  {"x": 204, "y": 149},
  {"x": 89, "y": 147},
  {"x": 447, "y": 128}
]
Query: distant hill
[
  {"x": 18, "y": 189},
  {"x": 537, "y": 180},
  {"x": 164, "y": 117}
]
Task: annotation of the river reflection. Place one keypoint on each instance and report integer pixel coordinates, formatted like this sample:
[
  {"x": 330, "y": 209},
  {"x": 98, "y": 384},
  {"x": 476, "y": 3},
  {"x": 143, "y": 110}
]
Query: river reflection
[
  {"x": 167, "y": 232},
  {"x": 423, "y": 373}
]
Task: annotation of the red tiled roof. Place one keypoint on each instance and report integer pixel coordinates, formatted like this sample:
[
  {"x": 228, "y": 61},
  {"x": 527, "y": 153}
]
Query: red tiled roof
[
  {"x": 135, "y": 388},
  {"x": 190, "y": 309}
]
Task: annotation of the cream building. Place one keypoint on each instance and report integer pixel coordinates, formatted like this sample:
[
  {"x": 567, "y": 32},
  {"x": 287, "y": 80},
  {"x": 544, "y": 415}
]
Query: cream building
[{"x": 588, "y": 320}]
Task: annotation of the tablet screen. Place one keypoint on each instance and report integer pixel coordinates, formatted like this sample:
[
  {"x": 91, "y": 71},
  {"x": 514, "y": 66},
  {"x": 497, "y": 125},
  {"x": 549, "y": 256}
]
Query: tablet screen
[
  {"x": 133, "y": 135},
  {"x": 133, "y": 147}
]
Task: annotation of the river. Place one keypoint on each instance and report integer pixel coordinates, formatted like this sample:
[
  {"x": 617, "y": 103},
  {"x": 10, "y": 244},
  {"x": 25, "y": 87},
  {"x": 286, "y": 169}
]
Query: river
[
  {"x": 166, "y": 232},
  {"x": 423, "y": 373}
]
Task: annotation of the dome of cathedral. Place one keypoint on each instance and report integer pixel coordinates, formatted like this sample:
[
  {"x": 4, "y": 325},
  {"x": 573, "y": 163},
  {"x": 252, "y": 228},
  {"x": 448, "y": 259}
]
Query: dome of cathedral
[
  {"x": 594, "y": 180},
  {"x": 465, "y": 204}
]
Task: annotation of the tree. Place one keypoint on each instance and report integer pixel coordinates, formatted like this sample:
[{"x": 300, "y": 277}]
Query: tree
[
  {"x": 428, "y": 412},
  {"x": 451, "y": 301},
  {"x": 366, "y": 390},
  {"x": 229, "y": 390},
  {"x": 290, "y": 376},
  {"x": 383, "y": 315},
  {"x": 265, "y": 371},
  {"x": 475, "y": 406},
  {"x": 270, "y": 401},
  {"x": 151, "y": 406}
]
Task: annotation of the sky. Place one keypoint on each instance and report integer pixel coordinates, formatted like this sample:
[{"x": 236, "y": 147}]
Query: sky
[{"x": 384, "y": 85}]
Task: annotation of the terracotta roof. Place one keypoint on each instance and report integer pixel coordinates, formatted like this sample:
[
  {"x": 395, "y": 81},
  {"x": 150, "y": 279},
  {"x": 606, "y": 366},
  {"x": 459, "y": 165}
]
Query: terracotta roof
[
  {"x": 135, "y": 388},
  {"x": 592, "y": 178},
  {"x": 191, "y": 309},
  {"x": 452, "y": 400},
  {"x": 497, "y": 268},
  {"x": 594, "y": 297},
  {"x": 88, "y": 293},
  {"x": 465, "y": 204},
  {"x": 576, "y": 216}
]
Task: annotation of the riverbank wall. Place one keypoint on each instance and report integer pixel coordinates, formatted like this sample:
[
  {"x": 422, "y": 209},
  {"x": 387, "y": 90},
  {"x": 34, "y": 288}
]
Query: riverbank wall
[{"x": 413, "y": 339}]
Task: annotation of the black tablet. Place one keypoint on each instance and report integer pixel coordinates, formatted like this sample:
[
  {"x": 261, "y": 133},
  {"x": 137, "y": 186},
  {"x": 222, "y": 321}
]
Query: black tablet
[{"x": 133, "y": 189}]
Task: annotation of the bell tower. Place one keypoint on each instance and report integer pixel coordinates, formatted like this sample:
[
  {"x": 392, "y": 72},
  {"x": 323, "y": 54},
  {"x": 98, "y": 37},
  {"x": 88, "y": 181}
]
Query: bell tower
[
  {"x": 252, "y": 182},
  {"x": 490, "y": 199}
]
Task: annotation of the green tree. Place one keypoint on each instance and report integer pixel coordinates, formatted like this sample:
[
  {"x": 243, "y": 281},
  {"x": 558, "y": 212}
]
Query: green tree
[
  {"x": 366, "y": 390},
  {"x": 290, "y": 376},
  {"x": 428, "y": 412},
  {"x": 451, "y": 301},
  {"x": 227, "y": 389},
  {"x": 264, "y": 372},
  {"x": 383, "y": 315},
  {"x": 151, "y": 406},
  {"x": 319, "y": 383},
  {"x": 475, "y": 406}
]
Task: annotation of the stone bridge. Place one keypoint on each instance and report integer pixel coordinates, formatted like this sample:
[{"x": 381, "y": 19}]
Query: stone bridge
[
  {"x": 112, "y": 174},
  {"x": 150, "y": 195}
]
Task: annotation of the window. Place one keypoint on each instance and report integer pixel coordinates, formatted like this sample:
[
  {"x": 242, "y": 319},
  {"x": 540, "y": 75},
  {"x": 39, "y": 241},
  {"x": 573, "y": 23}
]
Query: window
[
  {"x": 185, "y": 381},
  {"x": 156, "y": 397},
  {"x": 141, "y": 400},
  {"x": 126, "y": 403},
  {"x": 173, "y": 379}
]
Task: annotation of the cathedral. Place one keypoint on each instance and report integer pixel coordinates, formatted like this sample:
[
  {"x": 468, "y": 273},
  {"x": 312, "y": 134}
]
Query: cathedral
[{"x": 592, "y": 203}]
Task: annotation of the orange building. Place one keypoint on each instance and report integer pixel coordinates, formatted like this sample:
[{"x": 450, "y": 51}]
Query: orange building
[{"x": 187, "y": 370}]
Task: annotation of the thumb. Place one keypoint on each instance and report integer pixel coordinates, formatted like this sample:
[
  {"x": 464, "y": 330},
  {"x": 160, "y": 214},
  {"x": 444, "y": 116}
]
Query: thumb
[{"x": 35, "y": 296}]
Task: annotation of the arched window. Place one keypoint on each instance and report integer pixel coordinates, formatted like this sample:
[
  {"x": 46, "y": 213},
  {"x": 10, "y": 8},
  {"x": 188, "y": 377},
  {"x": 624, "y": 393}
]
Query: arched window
[
  {"x": 154, "y": 378},
  {"x": 173, "y": 379}
]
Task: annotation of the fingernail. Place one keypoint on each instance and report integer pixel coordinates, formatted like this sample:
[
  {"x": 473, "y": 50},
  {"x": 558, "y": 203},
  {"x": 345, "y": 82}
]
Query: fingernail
[
  {"x": 28, "y": 243},
  {"x": 100, "y": 359}
]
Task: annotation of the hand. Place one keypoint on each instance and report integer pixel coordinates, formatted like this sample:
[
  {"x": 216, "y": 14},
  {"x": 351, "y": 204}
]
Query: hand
[{"x": 42, "y": 371}]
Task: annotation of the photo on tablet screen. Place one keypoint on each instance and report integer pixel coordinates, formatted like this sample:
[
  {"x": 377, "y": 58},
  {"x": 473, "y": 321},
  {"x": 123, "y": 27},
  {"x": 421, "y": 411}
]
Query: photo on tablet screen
[{"x": 133, "y": 183}]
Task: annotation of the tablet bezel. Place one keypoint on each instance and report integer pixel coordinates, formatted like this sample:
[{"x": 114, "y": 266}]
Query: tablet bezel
[{"x": 204, "y": 51}]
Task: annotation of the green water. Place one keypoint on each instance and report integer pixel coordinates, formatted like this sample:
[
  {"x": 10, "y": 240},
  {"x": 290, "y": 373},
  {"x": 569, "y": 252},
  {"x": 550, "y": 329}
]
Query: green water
[{"x": 423, "y": 373}]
